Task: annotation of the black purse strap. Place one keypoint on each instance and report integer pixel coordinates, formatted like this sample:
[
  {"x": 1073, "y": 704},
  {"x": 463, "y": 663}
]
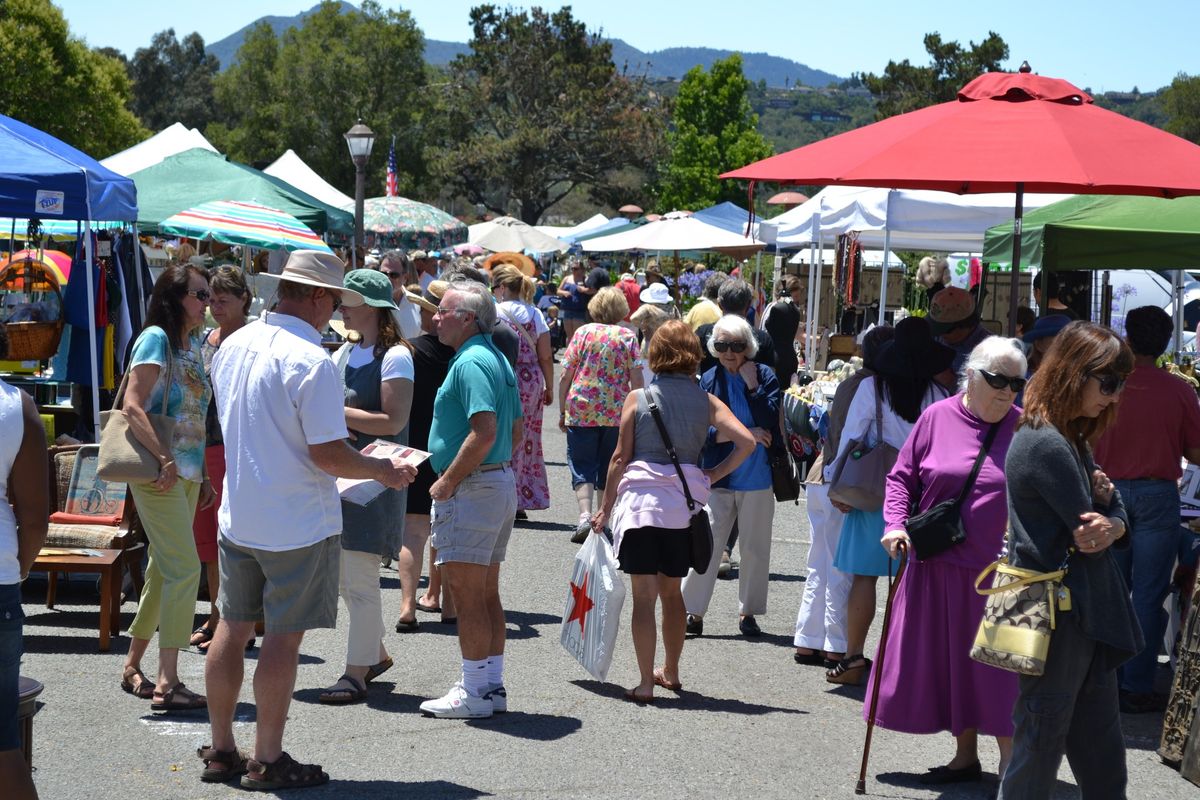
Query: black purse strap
[
  {"x": 983, "y": 451},
  {"x": 666, "y": 437}
]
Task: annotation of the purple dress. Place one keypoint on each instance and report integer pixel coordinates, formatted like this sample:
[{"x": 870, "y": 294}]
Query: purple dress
[{"x": 929, "y": 682}]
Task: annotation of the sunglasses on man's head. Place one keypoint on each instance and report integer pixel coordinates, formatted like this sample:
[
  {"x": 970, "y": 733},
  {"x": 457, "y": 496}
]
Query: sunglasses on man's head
[
  {"x": 997, "y": 381},
  {"x": 1110, "y": 384},
  {"x": 737, "y": 347}
]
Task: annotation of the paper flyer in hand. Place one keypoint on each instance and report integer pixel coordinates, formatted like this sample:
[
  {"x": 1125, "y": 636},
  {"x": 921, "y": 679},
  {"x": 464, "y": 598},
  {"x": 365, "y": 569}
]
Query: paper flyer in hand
[{"x": 361, "y": 491}]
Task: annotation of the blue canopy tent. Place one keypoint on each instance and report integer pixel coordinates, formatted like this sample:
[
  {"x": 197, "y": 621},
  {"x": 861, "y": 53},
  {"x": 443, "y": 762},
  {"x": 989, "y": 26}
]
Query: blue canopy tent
[{"x": 43, "y": 177}]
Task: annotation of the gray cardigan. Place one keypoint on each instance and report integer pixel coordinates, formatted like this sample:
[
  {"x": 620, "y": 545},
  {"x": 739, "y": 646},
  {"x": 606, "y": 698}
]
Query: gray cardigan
[{"x": 1048, "y": 488}]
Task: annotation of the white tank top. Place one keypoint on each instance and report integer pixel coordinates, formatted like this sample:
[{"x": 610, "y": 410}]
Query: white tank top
[{"x": 12, "y": 431}]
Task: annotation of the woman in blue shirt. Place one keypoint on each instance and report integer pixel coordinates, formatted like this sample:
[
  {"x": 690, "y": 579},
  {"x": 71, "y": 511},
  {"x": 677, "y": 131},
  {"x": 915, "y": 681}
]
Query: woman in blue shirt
[{"x": 752, "y": 393}]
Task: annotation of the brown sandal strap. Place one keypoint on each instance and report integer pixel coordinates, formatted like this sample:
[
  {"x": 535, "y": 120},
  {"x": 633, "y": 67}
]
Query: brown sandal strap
[{"x": 286, "y": 771}]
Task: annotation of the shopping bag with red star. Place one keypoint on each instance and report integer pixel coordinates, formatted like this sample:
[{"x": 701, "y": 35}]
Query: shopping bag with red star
[{"x": 593, "y": 612}]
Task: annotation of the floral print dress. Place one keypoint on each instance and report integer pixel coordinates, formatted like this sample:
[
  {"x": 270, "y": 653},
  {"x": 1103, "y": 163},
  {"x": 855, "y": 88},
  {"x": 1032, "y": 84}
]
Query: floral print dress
[
  {"x": 529, "y": 465},
  {"x": 604, "y": 358}
]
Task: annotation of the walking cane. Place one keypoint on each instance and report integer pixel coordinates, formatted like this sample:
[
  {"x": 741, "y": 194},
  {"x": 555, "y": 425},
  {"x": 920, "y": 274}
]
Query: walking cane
[{"x": 861, "y": 786}]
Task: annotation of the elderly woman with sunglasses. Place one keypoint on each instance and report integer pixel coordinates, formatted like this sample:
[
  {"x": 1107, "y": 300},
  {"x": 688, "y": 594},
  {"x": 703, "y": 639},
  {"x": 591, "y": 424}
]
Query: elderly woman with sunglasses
[
  {"x": 752, "y": 393},
  {"x": 1063, "y": 510},
  {"x": 929, "y": 684}
]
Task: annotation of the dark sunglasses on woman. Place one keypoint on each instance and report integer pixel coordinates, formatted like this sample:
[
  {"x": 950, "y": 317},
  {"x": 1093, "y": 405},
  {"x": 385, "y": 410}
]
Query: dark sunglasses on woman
[
  {"x": 1110, "y": 384},
  {"x": 202, "y": 295},
  {"x": 737, "y": 347},
  {"x": 997, "y": 381}
]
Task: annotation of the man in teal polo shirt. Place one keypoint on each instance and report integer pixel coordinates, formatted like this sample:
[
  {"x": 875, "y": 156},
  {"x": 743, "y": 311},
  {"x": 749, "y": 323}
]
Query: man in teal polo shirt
[{"x": 476, "y": 425}]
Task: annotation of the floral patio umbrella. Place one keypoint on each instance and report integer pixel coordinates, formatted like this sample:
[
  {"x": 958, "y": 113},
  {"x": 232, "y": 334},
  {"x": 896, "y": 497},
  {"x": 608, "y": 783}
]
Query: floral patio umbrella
[
  {"x": 400, "y": 222},
  {"x": 237, "y": 222}
]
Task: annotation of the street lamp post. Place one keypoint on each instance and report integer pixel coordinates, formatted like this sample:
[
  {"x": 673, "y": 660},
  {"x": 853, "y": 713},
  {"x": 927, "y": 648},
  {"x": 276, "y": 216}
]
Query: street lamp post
[{"x": 359, "y": 139}]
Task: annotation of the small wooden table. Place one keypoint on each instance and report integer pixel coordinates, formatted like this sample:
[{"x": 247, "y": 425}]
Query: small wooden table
[
  {"x": 27, "y": 692},
  {"x": 108, "y": 564}
]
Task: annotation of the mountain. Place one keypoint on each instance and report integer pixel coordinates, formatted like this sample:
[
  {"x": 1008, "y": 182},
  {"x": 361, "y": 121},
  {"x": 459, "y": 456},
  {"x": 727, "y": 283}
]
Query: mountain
[{"x": 672, "y": 63}]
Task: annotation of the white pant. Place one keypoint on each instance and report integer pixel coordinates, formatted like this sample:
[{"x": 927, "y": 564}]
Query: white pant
[
  {"x": 821, "y": 623},
  {"x": 754, "y": 512},
  {"x": 364, "y": 604}
]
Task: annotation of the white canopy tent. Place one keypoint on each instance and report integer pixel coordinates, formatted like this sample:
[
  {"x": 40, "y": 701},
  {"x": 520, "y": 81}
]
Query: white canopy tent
[
  {"x": 508, "y": 234},
  {"x": 674, "y": 233},
  {"x": 566, "y": 232},
  {"x": 872, "y": 258},
  {"x": 291, "y": 169},
  {"x": 162, "y": 145}
]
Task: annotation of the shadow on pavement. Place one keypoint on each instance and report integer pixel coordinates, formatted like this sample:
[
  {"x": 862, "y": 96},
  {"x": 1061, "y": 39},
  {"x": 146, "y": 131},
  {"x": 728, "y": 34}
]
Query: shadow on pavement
[
  {"x": 777, "y": 639},
  {"x": 542, "y": 525},
  {"x": 685, "y": 700},
  {"x": 536, "y": 727},
  {"x": 777, "y": 577},
  {"x": 380, "y": 697},
  {"x": 424, "y": 789}
]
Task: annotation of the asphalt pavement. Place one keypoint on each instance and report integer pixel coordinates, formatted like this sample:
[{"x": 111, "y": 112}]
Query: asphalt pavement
[{"x": 749, "y": 722}]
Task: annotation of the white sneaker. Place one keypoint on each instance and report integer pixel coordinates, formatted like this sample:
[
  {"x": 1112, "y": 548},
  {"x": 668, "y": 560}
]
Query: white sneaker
[
  {"x": 499, "y": 697},
  {"x": 458, "y": 704}
]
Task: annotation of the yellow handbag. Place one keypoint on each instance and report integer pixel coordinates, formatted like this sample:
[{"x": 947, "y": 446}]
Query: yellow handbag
[{"x": 1019, "y": 617}]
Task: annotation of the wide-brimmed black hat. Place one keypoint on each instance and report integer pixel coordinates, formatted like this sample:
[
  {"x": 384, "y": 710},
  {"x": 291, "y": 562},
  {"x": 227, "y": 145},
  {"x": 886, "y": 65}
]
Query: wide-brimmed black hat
[{"x": 913, "y": 352}]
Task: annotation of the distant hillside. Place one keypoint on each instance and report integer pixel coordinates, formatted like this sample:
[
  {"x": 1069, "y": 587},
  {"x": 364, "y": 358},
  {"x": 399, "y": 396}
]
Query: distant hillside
[{"x": 672, "y": 63}]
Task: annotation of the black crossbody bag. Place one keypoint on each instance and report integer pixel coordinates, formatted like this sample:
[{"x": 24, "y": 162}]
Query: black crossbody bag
[
  {"x": 700, "y": 533},
  {"x": 941, "y": 527}
]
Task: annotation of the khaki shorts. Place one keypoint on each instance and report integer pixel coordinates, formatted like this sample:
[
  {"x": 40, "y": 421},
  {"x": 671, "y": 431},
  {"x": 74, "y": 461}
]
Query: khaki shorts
[
  {"x": 290, "y": 590},
  {"x": 473, "y": 526}
]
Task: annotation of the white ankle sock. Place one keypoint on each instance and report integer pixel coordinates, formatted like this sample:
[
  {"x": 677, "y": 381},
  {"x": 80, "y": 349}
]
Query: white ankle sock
[
  {"x": 475, "y": 676},
  {"x": 495, "y": 670}
]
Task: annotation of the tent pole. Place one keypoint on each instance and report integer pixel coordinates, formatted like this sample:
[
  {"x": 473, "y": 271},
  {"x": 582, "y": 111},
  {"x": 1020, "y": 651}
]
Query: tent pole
[
  {"x": 808, "y": 309},
  {"x": 94, "y": 360},
  {"x": 883, "y": 284},
  {"x": 820, "y": 261},
  {"x": 1178, "y": 292},
  {"x": 1014, "y": 293}
]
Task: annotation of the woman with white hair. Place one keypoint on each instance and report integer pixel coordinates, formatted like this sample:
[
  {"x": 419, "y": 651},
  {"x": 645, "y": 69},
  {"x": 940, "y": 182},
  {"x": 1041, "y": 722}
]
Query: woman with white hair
[
  {"x": 929, "y": 683},
  {"x": 752, "y": 393}
]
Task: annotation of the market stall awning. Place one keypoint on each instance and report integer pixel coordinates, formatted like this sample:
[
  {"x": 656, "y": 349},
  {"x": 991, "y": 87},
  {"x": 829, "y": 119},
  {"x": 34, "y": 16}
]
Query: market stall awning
[
  {"x": 291, "y": 169},
  {"x": 508, "y": 234},
  {"x": 675, "y": 233},
  {"x": 198, "y": 176},
  {"x": 170, "y": 141}
]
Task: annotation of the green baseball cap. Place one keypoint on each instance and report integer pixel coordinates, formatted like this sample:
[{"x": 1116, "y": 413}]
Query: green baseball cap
[{"x": 374, "y": 286}]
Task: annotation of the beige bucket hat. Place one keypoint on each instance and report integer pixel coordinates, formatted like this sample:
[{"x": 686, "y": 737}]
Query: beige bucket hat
[{"x": 314, "y": 268}]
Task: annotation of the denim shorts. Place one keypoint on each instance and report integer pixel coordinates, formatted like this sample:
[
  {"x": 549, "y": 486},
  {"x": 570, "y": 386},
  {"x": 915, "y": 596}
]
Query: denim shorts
[
  {"x": 11, "y": 618},
  {"x": 589, "y": 451},
  {"x": 474, "y": 525}
]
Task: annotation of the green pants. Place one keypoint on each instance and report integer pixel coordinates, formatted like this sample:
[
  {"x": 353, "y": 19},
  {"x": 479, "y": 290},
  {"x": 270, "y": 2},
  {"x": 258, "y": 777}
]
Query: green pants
[{"x": 168, "y": 601}]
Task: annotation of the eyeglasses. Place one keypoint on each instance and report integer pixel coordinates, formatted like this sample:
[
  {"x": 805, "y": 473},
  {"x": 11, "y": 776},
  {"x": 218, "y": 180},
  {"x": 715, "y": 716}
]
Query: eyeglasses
[
  {"x": 445, "y": 312},
  {"x": 997, "y": 381},
  {"x": 203, "y": 295},
  {"x": 722, "y": 346},
  {"x": 392, "y": 276},
  {"x": 1110, "y": 384}
]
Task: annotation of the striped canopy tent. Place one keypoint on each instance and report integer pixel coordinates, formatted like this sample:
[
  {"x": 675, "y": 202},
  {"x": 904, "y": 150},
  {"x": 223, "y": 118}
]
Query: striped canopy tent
[{"x": 238, "y": 222}]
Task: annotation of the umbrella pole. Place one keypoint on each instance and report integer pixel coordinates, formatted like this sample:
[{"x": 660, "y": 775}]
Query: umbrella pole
[
  {"x": 1014, "y": 294},
  {"x": 1178, "y": 291},
  {"x": 883, "y": 286}
]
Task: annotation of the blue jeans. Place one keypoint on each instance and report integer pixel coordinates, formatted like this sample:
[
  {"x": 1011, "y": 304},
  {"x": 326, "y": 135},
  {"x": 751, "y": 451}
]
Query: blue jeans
[
  {"x": 1148, "y": 562},
  {"x": 589, "y": 450},
  {"x": 11, "y": 618}
]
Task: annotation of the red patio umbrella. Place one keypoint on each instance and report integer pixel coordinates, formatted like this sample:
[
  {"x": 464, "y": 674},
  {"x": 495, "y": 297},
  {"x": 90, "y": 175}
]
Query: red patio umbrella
[{"x": 1006, "y": 132}]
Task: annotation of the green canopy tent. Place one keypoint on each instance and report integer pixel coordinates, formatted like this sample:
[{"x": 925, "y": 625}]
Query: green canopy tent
[
  {"x": 1104, "y": 232},
  {"x": 198, "y": 176}
]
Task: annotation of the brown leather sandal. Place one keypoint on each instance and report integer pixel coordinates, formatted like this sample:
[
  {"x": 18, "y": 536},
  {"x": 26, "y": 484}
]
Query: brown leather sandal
[
  {"x": 282, "y": 773},
  {"x": 178, "y": 698},
  {"x": 232, "y": 764},
  {"x": 134, "y": 681}
]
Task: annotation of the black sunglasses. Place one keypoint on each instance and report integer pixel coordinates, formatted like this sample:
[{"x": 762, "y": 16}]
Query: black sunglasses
[
  {"x": 1110, "y": 384},
  {"x": 997, "y": 381},
  {"x": 203, "y": 295},
  {"x": 737, "y": 347},
  {"x": 392, "y": 276}
]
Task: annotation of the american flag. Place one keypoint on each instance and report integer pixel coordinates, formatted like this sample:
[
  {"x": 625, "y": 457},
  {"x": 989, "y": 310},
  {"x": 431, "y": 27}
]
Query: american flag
[{"x": 392, "y": 189}]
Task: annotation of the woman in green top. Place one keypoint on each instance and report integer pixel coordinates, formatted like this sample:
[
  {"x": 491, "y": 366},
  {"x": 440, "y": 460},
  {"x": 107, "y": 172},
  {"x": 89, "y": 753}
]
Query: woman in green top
[{"x": 167, "y": 505}]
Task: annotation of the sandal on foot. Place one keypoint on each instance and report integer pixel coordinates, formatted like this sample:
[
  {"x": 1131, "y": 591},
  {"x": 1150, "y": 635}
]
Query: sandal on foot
[
  {"x": 137, "y": 684},
  {"x": 375, "y": 670},
  {"x": 660, "y": 679},
  {"x": 337, "y": 696},
  {"x": 178, "y": 698},
  {"x": 407, "y": 625},
  {"x": 232, "y": 763},
  {"x": 434, "y": 609},
  {"x": 632, "y": 696},
  {"x": 813, "y": 659},
  {"x": 282, "y": 773},
  {"x": 200, "y": 636},
  {"x": 850, "y": 671}
]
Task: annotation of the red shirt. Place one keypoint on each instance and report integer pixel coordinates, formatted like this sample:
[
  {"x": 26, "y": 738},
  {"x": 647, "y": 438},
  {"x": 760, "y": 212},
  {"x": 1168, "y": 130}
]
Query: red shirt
[
  {"x": 632, "y": 295},
  {"x": 1157, "y": 418}
]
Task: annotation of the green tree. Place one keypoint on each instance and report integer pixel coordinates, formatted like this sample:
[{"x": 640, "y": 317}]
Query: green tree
[
  {"x": 1181, "y": 101},
  {"x": 305, "y": 89},
  {"x": 906, "y": 87},
  {"x": 55, "y": 82},
  {"x": 173, "y": 81},
  {"x": 537, "y": 109},
  {"x": 713, "y": 129}
]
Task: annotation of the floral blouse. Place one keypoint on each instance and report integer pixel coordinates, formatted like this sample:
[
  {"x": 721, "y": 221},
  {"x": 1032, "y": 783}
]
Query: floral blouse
[{"x": 604, "y": 358}]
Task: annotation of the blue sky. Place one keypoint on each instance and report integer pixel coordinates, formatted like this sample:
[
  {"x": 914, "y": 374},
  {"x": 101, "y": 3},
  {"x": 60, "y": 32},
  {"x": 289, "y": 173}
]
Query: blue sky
[{"x": 1102, "y": 44}]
